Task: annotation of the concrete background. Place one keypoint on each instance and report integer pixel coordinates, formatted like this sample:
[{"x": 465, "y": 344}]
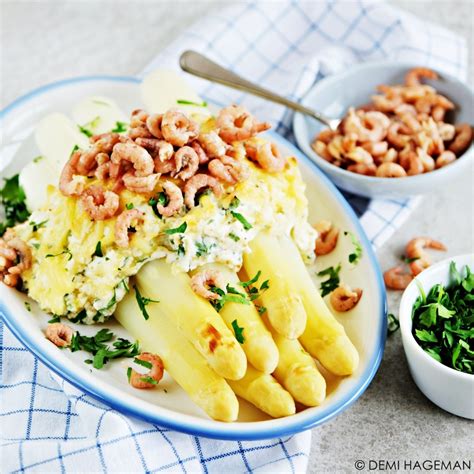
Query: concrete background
[{"x": 392, "y": 420}]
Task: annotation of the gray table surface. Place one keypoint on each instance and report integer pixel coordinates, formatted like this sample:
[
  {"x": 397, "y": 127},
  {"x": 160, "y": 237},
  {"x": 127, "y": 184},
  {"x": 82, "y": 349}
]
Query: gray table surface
[{"x": 45, "y": 41}]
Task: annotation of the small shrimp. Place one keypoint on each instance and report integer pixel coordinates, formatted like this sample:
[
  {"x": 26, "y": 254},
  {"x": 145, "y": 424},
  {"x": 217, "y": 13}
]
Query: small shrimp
[
  {"x": 360, "y": 155},
  {"x": 178, "y": 129},
  {"x": 415, "y": 165},
  {"x": 187, "y": 163},
  {"x": 390, "y": 157},
  {"x": 59, "y": 334},
  {"x": 203, "y": 158},
  {"x": 153, "y": 123},
  {"x": 140, "y": 184},
  {"x": 390, "y": 170},
  {"x": 235, "y": 123},
  {"x": 269, "y": 158},
  {"x": 228, "y": 169},
  {"x": 362, "y": 168},
  {"x": 413, "y": 76},
  {"x": 123, "y": 223},
  {"x": 67, "y": 185},
  {"x": 376, "y": 148},
  {"x": 396, "y": 279},
  {"x": 213, "y": 144},
  {"x": 343, "y": 298},
  {"x": 138, "y": 117},
  {"x": 445, "y": 158},
  {"x": 197, "y": 182},
  {"x": 414, "y": 250},
  {"x": 140, "y": 131},
  {"x": 175, "y": 199},
  {"x": 446, "y": 131},
  {"x": 164, "y": 167},
  {"x": 23, "y": 252},
  {"x": 141, "y": 381},
  {"x": 201, "y": 281},
  {"x": 102, "y": 143},
  {"x": 385, "y": 104},
  {"x": 438, "y": 113},
  {"x": 321, "y": 149},
  {"x": 135, "y": 154},
  {"x": 327, "y": 239},
  {"x": 99, "y": 203},
  {"x": 326, "y": 135},
  {"x": 160, "y": 149},
  {"x": 427, "y": 160},
  {"x": 395, "y": 138},
  {"x": 368, "y": 126},
  {"x": 462, "y": 139}
]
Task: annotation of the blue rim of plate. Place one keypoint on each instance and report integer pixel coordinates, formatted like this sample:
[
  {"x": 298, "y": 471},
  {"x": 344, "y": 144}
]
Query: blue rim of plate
[{"x": 219, "y": 431}]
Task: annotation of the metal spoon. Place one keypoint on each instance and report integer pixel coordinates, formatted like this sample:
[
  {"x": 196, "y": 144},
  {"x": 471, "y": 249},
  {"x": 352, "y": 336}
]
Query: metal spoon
[{"x": 198, "y": 65}]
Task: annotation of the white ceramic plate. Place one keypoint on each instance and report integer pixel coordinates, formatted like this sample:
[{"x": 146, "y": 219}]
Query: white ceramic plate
[{"x": 365, "y": 325}]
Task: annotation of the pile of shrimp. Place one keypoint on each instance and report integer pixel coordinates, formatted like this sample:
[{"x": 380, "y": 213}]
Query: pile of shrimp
[
  {"x": 167, "y": 151},
  {"x": 400, "y": 133},
  {"x": 15, "y": 258}
]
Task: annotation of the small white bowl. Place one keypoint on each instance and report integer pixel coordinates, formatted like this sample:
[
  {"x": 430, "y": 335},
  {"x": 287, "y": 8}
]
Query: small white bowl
[{"x": 451, "y": 390}]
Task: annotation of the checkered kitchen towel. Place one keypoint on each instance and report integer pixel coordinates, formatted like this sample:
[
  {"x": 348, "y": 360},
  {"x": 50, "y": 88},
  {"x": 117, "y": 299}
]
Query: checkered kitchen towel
[{"x": 49, "y": 426}]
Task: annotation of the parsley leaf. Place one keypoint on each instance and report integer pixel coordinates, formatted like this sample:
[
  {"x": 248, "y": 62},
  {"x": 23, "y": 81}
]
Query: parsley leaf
[
  {"x": 160, "y": 198},
  {"x": 143, "y": 363},
  {"x": 120, "y": 127},
  {"x": 54, "y": 319},
  {"x": 333, "y": 279},
  {"x": 98, "y": 250},
  {"x": 357, "y": 254},
  {"x": 13, "y": 199},
  {"x": 242, "y": 220},
  {"x": 177, "y": 230},
  {"x": 38, "y": 225},
  {"x": 87, "y": 128},
  {"x": 229, "y": 295},
  {"x": 143, "y": 302},
  {"x": 64, "y": 252},
  {"x": 189, "y": 102},
  {"x": 392, "y": 324},
  {"x": 202, "y": 248},
  {"x": 234, "y": 237},
  {"x": 238, "y": 331}
]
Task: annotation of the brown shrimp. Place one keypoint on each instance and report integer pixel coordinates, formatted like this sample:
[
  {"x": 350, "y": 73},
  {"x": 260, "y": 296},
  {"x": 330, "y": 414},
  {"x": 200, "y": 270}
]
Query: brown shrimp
[
  {"x": 153, "y": 123},
  {"x": 385, "y": 104},
  {"x": 213, "y": 144},
  {"x": 138, "y": 117},
  {"x": 413, "y": 76},
  {"x": 326, "y": 135},
  {"x": 395, "y": 138},
  {"x": 201, "y": 281},
  {"x": 187, "y": 163},
  {"x": 343, "y": 298},
  {"x": 327, "y": 239},
  {"x": 360, "y": 155},
  {"x": 368, "y": 126},
  {"x": 376, "y": 148},
  {"x": 415, "y": 165},
  {"x": 59, "y": 334},
  {"x": 445, "y": 159},
  {"x": 203, "y": 158},
  {"x": 99, "y": 203},
  {"x": 235, "y": 123},
  {"x": 177, "y": 128},
  {"x": 142, "y": 161},
  {"x": 363, "y": 168},
  {"x": 142, "y": 381},
  {"x": 140, "y": 184},
  {"x": 67, "y": 185},
  {"x": 175, "y": 199},
  {"x": 396, "y": 279},
  {"x": 123, "y": 223},
  {"x": 414, "y": 250},
  {"x": 160, "y": 149},
  {"x": 15, "y": 258},
  {"x": 321, "y": 149},
  {"x": 228, "y": 170},
  {"x": 462, "y": 139},
  {"x": 269, "y": 158},
  {"x": 197, "y": 182},
  {"x": 390, "y": 170}
]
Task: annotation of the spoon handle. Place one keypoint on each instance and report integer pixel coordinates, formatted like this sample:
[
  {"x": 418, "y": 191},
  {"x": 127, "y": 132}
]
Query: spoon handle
[{"x": 199, "y": 65}]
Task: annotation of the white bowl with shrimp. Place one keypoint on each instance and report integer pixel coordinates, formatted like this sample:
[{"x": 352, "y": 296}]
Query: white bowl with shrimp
[
  {"x": 169, "y": 405},
  {"x": 335, "y": 94},
  {"x": 450, "y": 389}
]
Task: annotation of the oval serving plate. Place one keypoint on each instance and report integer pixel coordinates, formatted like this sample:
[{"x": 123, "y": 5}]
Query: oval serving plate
[{"x": 365, "y": 325}]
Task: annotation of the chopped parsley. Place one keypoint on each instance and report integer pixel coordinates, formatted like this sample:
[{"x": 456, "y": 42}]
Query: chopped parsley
[
  {"x": 98, "y": 250},
  {"x": 242, "y": 220},
  {"x": 79, "y": 318},
  {"x": 443, "y": 321},
  {"x": 129, "y": 374},
  {"x": 189, "y": 102},
  {"x": 177, "y": 230},
  {"x": 203, "y": 249},
  {"x": 100, "y": 102},
  {"x": 355, "y": 256},
  {"x": 229, "y": 295},
  {"x": 87, "y": 128},
  {"x": 148, "y": 379},
  {"x": 333, "y": 279},
  {"x": 38, "y": 159},
  {"x": 120, "y": 127},
  {"x": 74, "y": 149},
  {"x": 36, "y": 246},
  {"x": 408, "y": 260},
  {"x": 64, "y": 252},
  {"x": 234, "y": 237},
  {"x": 38, "y": 225},
  {"x": 160, "y": 198},
  {"x": 181, "y": 250},
  {"x": 392, "y": 324},
  {"x": 129, "y": 205},
  {"x": 143, "y": 302},
  {"x": 253, "y": 291},
  {"x": 13, "y": 199},
  {"x": 234, "y": 203},
  {"x": 238, "y": 331},
  {"x": 102, "y": 352},
  {"x": 28, "y": 306},
  {"x": 143, "y": 363},
  {"x": 54, "y": 319}
]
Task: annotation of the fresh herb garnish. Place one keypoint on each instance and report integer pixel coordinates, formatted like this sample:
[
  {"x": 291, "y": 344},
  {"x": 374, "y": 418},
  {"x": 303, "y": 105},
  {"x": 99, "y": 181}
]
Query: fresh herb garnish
[
  {"x": 28, "y": 306},
  {"x": 242, "y": 220},
  {"x": 143, "y": 302},
  {"x": 180, "y": 251},
  {"x": 234, "y": 203},
  {"x": 253, "y": 291},
  {"x": 13, "y": 199},
  {"x": 202, "y": 248},
  {"x": 64, "y": 252},
  {"x": 177, "y": 230},
  {"x": 443, "y": 321},
  {"x": 120, "y": 127},
  {"x": 408, "y": 260},
  {"x": 38, "y": 225},
  {"x": 333, "y": 279},
  {"x": 98, "y": 250},
  {"x": 229, "y": 295},
  {"x": 55, "y": 319},
  {"x": 87, "y": 128},
  {"x": 79, "y": 318},
  {"x": 129, "y": 373},
  {"x": 148, "y": 379},
  {"x": 238, "y": 331},
  {"x": 392, "y": 324},
  {"x": 38, "y": 159},
  {"x": 143, "y": 363},
  {"x": 75, "y": 148},
  {"x": 129, "y": 205},
  {"x": 100, "y": 102},
  {"x": 96, "y": 345},
  {"x": 234, "y": 237},
  {"x": 357, "y": 254},
  {"x": 160, "y": 198},
  {"x": 189, "y": 102}
]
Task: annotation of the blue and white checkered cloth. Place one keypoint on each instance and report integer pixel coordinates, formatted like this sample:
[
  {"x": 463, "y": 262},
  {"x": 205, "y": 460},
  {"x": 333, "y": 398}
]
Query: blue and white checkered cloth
[{"x": 49, "y": 426}]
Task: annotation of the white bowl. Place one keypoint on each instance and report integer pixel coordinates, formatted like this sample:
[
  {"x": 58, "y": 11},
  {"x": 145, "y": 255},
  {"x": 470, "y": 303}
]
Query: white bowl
[
  {"x": 450, "y": 389},
  {"x": 335, "y": 94}
]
